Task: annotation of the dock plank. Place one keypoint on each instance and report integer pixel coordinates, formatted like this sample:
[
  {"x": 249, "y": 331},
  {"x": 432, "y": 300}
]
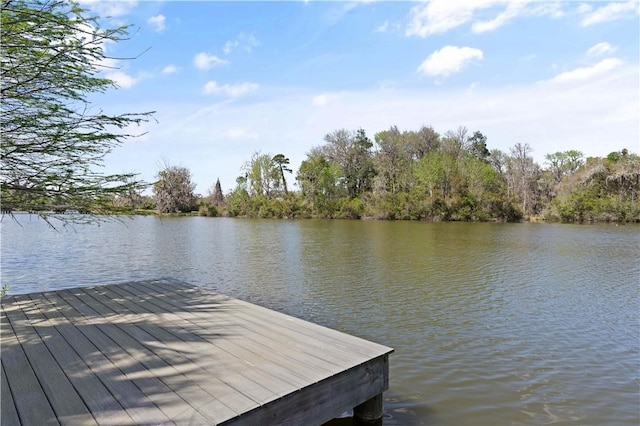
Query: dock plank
[
  {"x": 321, "y": 337},
  {"x": 301, "y": 335},
  {"x": 189, "y": 346},
  {"x": 166, "y": 352},
  {"x": 28, "y": 396},
  {"x": 8, "y": 411},
  {"x": 98, "y": 398},
  {"x": 83, "y": 337},
  {"x": 255, "y": 340},
  {"x": 171, "y": 395},
  {"x": 61, "y": 394}
]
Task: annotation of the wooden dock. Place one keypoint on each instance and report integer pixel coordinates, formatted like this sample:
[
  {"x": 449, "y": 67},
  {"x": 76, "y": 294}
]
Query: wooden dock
[{"x": 165, "y": 352}]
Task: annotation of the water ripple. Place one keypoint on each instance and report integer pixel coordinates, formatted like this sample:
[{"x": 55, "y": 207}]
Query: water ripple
[{"x": 491, "y": 323}]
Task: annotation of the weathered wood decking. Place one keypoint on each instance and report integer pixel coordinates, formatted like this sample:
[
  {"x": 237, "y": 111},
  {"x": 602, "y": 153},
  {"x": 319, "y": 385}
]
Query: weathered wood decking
[{"x": 163, "y": 352}]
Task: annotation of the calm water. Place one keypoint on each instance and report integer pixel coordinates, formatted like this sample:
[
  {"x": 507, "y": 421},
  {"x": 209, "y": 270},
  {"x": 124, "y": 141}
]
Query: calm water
[{"x": 492, "y": 324}]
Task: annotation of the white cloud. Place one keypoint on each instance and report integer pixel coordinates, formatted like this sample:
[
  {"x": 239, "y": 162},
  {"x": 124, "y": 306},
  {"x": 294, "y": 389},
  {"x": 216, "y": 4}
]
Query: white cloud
[
  {"x": 610, "y": 12},
  {"x": 584, "y": 8},
  {"x": 587, "y": 73},
  {"x": 229, "y": 46},
  {"x": 513, "y": 9},
  {"x": 157, "y": 23},
  {"x": 122, "y": 79},
  {"x": 111, "y": 9},
  {"x": 601, "y": 49},
  {"x": 231, "y": 90},
  {"x": 435, "y": 18},
  {"x": 204, "y": 61},
  {"x": 170, "y": 69},
  {"x": 449, "y": 60},
  {"x": 440, "y": 16},
  {"x": 554, "y": 9},
  {"x": 244, "y": 41}
]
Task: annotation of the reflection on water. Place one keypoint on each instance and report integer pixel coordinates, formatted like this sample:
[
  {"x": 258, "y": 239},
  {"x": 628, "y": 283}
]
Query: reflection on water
[{"x": 491, "y": 323}]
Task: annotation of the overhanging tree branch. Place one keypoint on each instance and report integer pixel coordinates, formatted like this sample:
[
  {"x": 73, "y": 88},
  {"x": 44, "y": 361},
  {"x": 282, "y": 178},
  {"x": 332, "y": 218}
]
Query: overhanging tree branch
[{"x": 51, "y": 138}]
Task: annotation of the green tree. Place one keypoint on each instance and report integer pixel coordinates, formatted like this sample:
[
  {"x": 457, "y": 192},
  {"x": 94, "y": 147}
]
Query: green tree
[
  {"x": 320, "y": 183},
  {"x": 431, "y": 175},
  {"x": 237, "y": 201},
  {"x": 393, "y": 161},
  {"x": 422, "y": 142},
  {"x": 562, "y": 164},
  {"x": 477, "y": 146},
  {"x": 53, "y": 138},
  {"x": 174, "y": 190},
  {"x": 351, "y": 152},
  {"x": 603, "y": 189},
  {"x": 263, "y": 175},
  {"x": 282, "y": 163}
]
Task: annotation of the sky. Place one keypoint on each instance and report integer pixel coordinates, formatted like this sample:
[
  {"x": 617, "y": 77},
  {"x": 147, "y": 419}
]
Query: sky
[{"x": 229, "y": 79}]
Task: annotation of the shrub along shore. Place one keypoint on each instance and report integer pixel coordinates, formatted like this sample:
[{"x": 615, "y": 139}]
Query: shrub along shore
[{"x": 416, "y": 175}]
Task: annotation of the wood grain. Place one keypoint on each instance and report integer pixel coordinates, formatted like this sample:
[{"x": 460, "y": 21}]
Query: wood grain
[{"x": 165, "y": 352}]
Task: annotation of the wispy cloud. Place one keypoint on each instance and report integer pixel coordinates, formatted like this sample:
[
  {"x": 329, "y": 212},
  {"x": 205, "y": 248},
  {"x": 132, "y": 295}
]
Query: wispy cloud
[
  {"x": 247, "y": 42},
  {"x": 440, "y": 16},
  {"x": 205, "y": 61},
  {"x": 585, "y": 74},
  {"x": 231, "y": 90},
  {"x": 609, "y": 12},
  {"x": 601, "y": 49},
  {"x": 157, "y": 22},
  {"x": 170, "y": 69},
  {"x": 110, "y": 9},
  {"x": 449, "y": 60},
  {"x": 383, "y": 28},
  {"x": 513, "y": 9}
]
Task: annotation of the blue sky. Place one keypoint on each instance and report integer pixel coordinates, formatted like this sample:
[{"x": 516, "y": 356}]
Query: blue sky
[{"x": 228, "y": 79}]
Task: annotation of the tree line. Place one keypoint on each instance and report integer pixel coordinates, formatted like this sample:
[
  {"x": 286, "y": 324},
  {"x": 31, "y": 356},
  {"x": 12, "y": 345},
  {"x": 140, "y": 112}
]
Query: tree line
[
  {"x": 54, "y": 139},
  {"x": 417, "y": 175}
]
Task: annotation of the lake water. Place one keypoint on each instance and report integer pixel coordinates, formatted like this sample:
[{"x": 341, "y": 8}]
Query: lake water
[{"x": 492, "y": 324}]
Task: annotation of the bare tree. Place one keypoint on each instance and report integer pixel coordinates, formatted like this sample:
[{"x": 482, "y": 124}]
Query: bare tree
[
  {"x": 522, "y": 174},
  {"x": 174, "y": 190}
]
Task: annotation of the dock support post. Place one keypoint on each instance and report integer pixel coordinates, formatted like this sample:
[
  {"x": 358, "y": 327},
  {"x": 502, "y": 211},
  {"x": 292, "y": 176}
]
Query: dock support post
[{"x": 369, "y": 411}]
